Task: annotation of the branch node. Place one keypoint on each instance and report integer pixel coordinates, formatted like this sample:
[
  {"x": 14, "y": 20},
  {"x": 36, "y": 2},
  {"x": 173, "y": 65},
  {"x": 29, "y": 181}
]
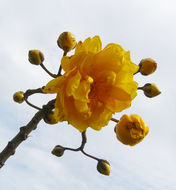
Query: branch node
[
  {"x": 10, "y": 145},
  {"x": 23, "y": 133}
]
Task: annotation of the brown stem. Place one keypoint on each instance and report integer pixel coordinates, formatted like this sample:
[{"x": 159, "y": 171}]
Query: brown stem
[
  {"x": 136, "y": 72},
  {"x": 60, "y": 68},
  {"x": 81, "y": 148},
  {"x": 31, "y": 92},
  {"x": 115, "y": 120},
  {"x": 44, "y": 68},
  {"x": 32, "y": 105},
  {"x": 140, "y": 88},
  {"x": 88, "y": 155},
  {"x": 9, "y": 150}
]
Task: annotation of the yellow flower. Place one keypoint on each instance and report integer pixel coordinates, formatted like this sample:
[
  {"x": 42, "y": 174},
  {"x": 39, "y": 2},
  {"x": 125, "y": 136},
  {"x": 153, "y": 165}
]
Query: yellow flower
[
  {"x": 131, "y": 129},
  {"x": 96, "y": 84}
]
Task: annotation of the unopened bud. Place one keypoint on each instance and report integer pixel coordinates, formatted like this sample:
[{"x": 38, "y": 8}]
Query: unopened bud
[
  {"x": 66, "y": 41},
  {"x": 50, "y": 118},
  {"x": 103, "y": 167},
  {"x": 18, "y": 97},
  {"x": 58, "y": 151},
  {"x": 131, "y": 129},
  {"x": 147, "y": 66},
  {"x": 151, "y": 90},
  {"x": 35, "y": 57}
]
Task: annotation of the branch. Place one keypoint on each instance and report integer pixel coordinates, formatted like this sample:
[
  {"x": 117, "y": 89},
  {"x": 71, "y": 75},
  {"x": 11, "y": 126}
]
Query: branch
[
  {"x": 9, "y": 150},
  {"x": 30, "y": 92}
]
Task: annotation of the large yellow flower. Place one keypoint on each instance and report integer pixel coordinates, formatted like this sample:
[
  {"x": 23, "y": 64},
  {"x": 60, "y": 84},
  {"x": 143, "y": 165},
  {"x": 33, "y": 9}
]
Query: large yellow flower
[{"x": 96, "y": 84}]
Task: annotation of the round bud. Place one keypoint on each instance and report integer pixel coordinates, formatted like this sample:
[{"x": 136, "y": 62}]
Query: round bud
[
  {"x": 18, "y": 97},
  {"x": 66, "y": 41},
  {"x": 147, "y": 66},
  {"x": 131, "y": 129},
  {"x": 35, "y": 57},
  {"x": 58, "y": 151},
  {"x": 151, "y": 90},
  {"x": 50, "y": 118},
  {"x": 103, "y": 167}
]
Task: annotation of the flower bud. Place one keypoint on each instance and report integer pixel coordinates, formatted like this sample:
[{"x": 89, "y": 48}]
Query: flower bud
[
  {"x": 151, "y": 90},
  {"x": 66, "y": 41},
  {"x": 131, "y": 129},
  {"x": 35, "y": 57},
  {"x": 147, "y": 66},
  {"x": 103, "y": 167},
  {"x": 18, "y": 97},
  {"x": 58, "y": 151},
  {"x": 50, "y": 118}
]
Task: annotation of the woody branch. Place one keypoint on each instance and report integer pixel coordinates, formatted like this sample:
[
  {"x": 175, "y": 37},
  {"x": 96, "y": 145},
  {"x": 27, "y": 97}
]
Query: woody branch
[{"x": 9, "y": 150}]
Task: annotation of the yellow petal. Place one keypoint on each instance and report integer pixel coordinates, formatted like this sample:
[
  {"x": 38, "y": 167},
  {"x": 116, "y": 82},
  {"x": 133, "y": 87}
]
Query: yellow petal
[
  {"x": 54, "y": 85},
  {"x": 83, "y": 109},
  {"x": 73, "y": 84},
  {"x": 92, "y": 45},
  {"x": 83, "y": 90}
]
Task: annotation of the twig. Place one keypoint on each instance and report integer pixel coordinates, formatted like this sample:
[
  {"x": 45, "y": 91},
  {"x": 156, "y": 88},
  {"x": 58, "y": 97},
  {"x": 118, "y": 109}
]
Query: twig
[
  {"x": 9, "y": 150},
  {"x": 60, "y": 68},
  {"x": 31, "y": 92},
  {"x": 45, "y": 69},
  {"x": 81, "y": 148},
  {"x": 115, "y": 120}
]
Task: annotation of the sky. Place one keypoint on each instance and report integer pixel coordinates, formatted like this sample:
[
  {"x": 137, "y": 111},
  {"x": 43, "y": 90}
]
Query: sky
[{"x": 146, "y": 29}]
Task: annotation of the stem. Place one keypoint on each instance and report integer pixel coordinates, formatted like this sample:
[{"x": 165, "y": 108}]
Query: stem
[
  {"x": 32, "y": 105},
  {"x": 140, "y": 88},
  {"x": 81, "y": 148},
  {"x": 44, "y": 68},
  {"x": 115, "y": 120},
  {"x": 9, "y": 150},
  {"x": 95, "y": 158},
  {"x": 72, "y": 149},
  {"x": 84, "y": 140},
  {"x": 31, "y": 92},
  {"x": 136, "y": 72},
  {"x": 60, "y": 68}
]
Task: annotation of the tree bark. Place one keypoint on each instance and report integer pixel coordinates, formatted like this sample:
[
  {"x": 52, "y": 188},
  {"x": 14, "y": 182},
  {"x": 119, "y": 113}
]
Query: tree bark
[{"x": 9, "y": 150}]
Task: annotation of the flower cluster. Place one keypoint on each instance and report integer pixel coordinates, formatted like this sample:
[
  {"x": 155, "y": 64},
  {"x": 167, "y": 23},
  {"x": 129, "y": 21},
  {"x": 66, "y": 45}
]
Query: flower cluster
[{"x": 96, "y": 84}]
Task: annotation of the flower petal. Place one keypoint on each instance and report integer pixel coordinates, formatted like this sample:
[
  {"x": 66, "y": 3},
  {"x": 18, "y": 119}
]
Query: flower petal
[
  {"x": 92, "y": 45},
  {"x": 54, "y": 85}
]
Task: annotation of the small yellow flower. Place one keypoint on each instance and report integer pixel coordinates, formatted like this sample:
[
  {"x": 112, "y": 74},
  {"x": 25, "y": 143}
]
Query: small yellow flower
[
  {"x": 151, "y": 90},
  {"x": 103, "y": 167},
  {"x": 35, "y": 57},
  {"x": 18, "y": 97},
  {"x": 96, "y": 84},
  {"x": 131, "y": 129},
  {"x": 147, "y": 66},
  {"x": 66, "y": 41}
]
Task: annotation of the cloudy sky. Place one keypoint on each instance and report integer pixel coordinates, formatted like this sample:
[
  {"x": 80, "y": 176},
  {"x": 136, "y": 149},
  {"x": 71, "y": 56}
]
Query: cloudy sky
[{"x": 145, "y": 27}]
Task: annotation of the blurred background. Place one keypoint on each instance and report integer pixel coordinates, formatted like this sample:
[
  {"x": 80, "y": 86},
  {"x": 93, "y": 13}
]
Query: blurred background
[{"x": 146, "y": 29}]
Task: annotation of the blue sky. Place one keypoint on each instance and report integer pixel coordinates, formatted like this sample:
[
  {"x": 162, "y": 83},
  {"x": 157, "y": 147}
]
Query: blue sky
[{"x": 147, "y": 29}]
